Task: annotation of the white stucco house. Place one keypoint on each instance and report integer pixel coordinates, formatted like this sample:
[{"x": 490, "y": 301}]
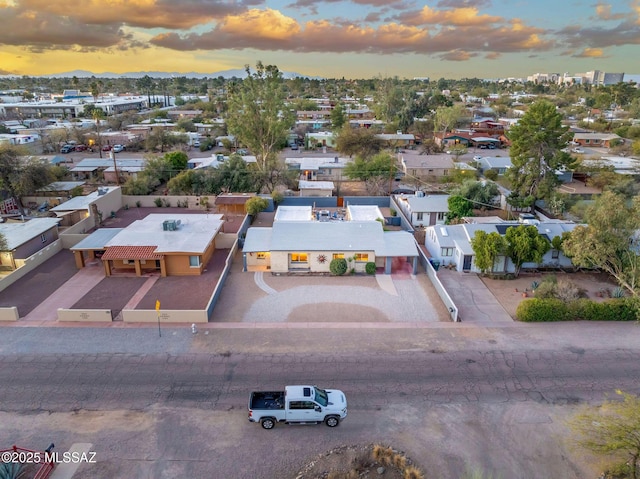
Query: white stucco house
[
  {"x": 301, "y": 241},
  {"x": 451, "y": 244},
  {"x": 424, "y": 210}
]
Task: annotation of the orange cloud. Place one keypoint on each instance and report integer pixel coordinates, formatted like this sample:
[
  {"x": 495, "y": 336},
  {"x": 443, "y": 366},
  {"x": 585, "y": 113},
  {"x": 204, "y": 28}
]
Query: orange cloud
[
  {"x": 464, "y": 16},
  {"x": 590, "y": 53},
  {"x": 268, "y": 24}
]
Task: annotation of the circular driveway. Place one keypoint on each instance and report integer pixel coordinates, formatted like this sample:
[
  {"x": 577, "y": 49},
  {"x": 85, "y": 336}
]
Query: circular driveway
[{"x": 265, "y": 298}]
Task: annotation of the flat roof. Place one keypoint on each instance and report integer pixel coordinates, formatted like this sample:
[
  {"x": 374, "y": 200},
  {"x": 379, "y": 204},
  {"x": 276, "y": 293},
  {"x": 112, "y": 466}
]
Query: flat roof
[
  {"x": 326, "y": 236},
  {"x": 364, "y": 213},
  {"x": 97, "y": 240},
  {"x": 194, "y": 233},
  {"x": 294, "y": 213},
  {"x": 315, "y": 185}
]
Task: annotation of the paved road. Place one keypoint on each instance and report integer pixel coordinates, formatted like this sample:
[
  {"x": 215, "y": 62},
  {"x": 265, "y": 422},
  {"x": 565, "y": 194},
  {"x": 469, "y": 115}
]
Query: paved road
[{"x": 466, "y": 396}]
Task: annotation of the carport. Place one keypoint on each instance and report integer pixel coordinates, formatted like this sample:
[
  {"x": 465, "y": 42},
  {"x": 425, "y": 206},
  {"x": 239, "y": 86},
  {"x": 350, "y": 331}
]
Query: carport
[
  {"x": 398, "y": 244},
  {"x": 93, "y": 246}
]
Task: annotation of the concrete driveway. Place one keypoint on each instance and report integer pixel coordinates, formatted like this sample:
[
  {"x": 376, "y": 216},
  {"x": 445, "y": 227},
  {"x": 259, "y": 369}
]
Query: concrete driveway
[{"x": 474, "y": 300}]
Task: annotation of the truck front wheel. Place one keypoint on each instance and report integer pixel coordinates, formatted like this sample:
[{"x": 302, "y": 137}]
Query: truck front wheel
[
  {"x": 331, "y": 421},
  {"x": 267, "y": 423}
]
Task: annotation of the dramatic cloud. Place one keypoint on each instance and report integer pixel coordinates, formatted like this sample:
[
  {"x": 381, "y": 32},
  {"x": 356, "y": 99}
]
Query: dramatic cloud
[
  {"x": 465, "y": 16},
  {"x": 577, "y": 37},
  {"x": 590, "y": 53},
  {"x": 138, "y": 13},
  {"x": 37, "y": 31},
  {"x": 457, "y": 56}
]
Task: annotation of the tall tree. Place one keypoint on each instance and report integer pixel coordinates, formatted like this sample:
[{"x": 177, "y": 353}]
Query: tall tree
[
  {"x": 459, "y": 207},
  {"x": 610, "y": 240},
  {"x": 361, "y": 142},
  {"x": 612, "y": 431},
  {"x": 536, "y": 153},
  {"x": 338, "y": 117},
  {"x": 257, "y": 115},
  {"x": 375, "y": 171},
  {"x": 486, "y": 248},
  {"x": 19, "y": 176},
  {"x": 525, "y": 245}
]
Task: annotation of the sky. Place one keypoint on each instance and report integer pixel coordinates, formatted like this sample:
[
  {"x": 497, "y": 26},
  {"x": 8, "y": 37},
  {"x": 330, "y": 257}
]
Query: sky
[{"x": 328, "y": 38}]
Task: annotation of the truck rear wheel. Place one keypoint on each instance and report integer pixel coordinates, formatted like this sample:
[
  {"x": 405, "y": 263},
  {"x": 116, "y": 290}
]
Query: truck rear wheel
[
  {"x": 267, "y": 423},
  {"x": 331, "y": 421}
]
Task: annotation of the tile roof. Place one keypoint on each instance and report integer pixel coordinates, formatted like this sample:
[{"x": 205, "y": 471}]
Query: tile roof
[{"x": 131, "y": 252}]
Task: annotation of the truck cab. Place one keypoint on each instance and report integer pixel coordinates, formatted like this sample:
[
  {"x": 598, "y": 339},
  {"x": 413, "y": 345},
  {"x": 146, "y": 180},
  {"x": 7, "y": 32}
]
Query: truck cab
[{"x": 298, "y": 405}]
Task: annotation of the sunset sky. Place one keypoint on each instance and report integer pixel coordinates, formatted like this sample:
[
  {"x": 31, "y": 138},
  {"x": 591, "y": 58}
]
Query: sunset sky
[{"x": 329, "y": 38}]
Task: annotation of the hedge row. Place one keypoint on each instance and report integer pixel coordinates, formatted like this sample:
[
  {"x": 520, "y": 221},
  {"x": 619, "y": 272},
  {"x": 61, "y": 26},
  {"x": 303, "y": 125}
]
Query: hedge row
[{"x": 536, "y": 310}]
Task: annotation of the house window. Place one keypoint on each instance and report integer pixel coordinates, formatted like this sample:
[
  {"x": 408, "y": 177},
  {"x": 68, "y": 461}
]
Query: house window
[
  {"x": 555, "y": 254},
  {"x": 338, "y": 255},
  {"x": 361, "y": 257},
  {"x": 299, "y": 257},
  {"x": 43, "y": 238},
  {"x": 194, "y": 261},
  {"x": 445, "y": 172},
  {"x": 261, "y": 255},
  {"x": 420, "y": 216},
  {"x": 441, "y": 216},
  {"x": 446, "y": 251}
]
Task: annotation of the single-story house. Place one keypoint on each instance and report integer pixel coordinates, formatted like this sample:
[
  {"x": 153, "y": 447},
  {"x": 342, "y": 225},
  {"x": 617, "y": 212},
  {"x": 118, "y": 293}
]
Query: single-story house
[
  {"x": 89, "y": 168},
  {"x": 309, "y": 246},
  {"x": 451, "y": 244},
  {"x": 397, "y": 139},
  {"x": 595, "y": 140},
  {"x": 424, "y": 210},
  {"x": 173, "y": 244},
  {"x": 425, "y": 166},
  {"x": 322, "y": 138},
  {"x": 499, "y": 164},
  {"x": 314, "y": 168},
  {"x": 315, "y": 188},
  {"x": 25, "y": 238}
]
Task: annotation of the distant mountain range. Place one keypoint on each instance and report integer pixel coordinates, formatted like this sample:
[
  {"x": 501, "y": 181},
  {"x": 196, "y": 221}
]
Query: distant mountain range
[{"x": 239, "y": 73}]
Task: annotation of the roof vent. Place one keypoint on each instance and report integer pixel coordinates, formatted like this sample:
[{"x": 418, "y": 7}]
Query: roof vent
[{"x": 444, "y": 231}]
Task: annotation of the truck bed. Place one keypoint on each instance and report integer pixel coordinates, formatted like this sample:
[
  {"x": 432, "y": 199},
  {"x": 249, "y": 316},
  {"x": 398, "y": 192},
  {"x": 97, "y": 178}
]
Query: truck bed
[{"x": 267, "y": 400}]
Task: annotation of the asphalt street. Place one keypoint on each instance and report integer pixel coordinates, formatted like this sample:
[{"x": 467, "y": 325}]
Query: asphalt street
[{"x": 176, "y": 406}]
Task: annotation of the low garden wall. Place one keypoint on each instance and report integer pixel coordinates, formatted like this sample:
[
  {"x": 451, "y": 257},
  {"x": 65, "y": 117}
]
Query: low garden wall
[
  {"x": 9, "y": 314},
  {"x": 164, "y": 316},
  {"x": 442, "y": 292},
  {"x": 31, "y": 263},
  {"x": 85, "y": 315}
]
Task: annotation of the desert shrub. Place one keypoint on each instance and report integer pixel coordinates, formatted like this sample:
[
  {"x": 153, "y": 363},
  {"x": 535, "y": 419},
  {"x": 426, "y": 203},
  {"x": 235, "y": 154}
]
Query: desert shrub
[
  {"x": 491, "y": 175},
  {"x": 618, "y": 309},
  {"x": 545, "y": 290},
  {"x": 412, "y": 472},
  {"x": 536, "y": 310},
  {"x": 382, "y": 454},
  {"x": 583, "y": 309},
  {"x": 370, "y": 268},
  {"x": 568, "y": 291},
  {"x": 338, "y": 266},
  {"x": 158, "y": 202}
]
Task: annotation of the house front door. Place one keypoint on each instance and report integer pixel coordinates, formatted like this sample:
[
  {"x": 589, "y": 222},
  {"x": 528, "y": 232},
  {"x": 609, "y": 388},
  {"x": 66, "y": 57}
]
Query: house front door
[{"x": 466, "y": 263}]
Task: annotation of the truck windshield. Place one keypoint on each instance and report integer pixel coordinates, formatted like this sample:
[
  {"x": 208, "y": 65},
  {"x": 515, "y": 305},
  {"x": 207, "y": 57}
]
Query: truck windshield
[{"x": 321, "y": 397}]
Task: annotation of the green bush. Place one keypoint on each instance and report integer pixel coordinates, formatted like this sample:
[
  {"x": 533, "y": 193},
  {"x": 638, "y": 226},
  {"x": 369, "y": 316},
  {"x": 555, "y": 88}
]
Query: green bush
[
  {"x": 536, "y": 310},
  {"x": 370, "y": 268},
  {"x": 617, "y": 309},
  {"x": 338, "y": 266},
  {"x": 158, "y": 202}
]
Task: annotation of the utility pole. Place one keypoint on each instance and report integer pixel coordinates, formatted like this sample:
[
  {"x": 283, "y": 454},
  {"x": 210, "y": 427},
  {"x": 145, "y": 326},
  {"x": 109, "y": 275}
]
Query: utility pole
[{"x": 115, "y": 166}]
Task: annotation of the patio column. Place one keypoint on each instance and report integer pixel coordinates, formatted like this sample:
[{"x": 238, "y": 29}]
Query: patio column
[
  {"x": 138, "y": 267},
  {"x": 244, "y": 262},
  {"x": 79, "y": 256},
  {"x": 388, "y": 261},
  {"x": 414, "y": 262}
]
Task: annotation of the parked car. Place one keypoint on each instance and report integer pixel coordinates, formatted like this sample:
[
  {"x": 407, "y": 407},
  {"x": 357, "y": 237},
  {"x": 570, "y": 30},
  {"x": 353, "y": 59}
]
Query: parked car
[
  {"x": 577, "y": 150},
  {"x": 106, "y": 148},
  {"x": 66, "y": 149},
  {"x": 80, "y": 147},
  {"x": 118, "y": 148},
  {"x": 196, "y": 143},
  {"x": 298, "y": 405}
]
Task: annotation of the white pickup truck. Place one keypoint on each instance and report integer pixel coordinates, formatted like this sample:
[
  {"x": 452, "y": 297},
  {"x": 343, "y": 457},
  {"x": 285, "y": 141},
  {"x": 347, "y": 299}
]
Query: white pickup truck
[{"x": 298, "y": 405}]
